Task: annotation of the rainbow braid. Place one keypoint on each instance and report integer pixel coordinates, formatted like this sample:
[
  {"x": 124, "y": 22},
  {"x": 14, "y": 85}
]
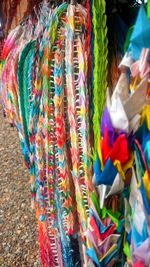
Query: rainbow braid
[
  {"x": 73, "y": 16},
  {"x": 83, "y": 116},
  {"x": 35, "y": 122},
  {"x": 16, "y": 89},
  {"x": 70, "y": 88},
  {"x": 8, "y": 95},
  {"x": 37, "y": 148},
  {"x": 64, "y": 198},
  {"x": 11, "y": 41},
  {"x": 48, "y": 95},
  {"x": 64, "y": 173},
  {"x": 8, "y": 88}
]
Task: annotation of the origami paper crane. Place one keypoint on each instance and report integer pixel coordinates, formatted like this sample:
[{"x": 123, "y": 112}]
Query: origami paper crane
[{"x": 140, "y": 36}]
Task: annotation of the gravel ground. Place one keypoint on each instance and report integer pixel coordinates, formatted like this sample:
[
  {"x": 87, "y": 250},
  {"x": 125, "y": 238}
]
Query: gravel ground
[{"x": 18, "y": 235}]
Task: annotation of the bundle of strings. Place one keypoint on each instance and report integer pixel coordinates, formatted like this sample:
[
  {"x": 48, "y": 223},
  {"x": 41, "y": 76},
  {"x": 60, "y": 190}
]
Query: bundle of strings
[{"x": 46, "y": 95}]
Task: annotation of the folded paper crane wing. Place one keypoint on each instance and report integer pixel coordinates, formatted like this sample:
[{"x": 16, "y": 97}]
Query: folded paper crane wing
[
  {"x": 108, "y": 175},
  {"x": 139, "y": 264},
  {"x": 140, "y": 245},
  {"x": 117, "y": 113},
  {"x": 106, "y": 124},
  {"x": 117, "y": 186},
  {"x": 137, "y": 101},
  {"x": 142, "y": 253},
  {"x": 114, "y": 152},
  {"x": 140, "y": 36},
  {"x": 141, "y": 68}
]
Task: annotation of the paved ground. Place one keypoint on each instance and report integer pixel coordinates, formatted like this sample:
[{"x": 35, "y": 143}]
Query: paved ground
[{"x": 18, "y": 235}]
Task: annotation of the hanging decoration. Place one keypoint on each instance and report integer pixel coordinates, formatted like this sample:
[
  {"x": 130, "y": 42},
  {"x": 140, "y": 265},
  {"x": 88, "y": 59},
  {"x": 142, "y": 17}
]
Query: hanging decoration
[
  {"x": 100, "y": 65},
  {"x": 88, "y": 193},
  {"x": 122, "y": 166}
]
